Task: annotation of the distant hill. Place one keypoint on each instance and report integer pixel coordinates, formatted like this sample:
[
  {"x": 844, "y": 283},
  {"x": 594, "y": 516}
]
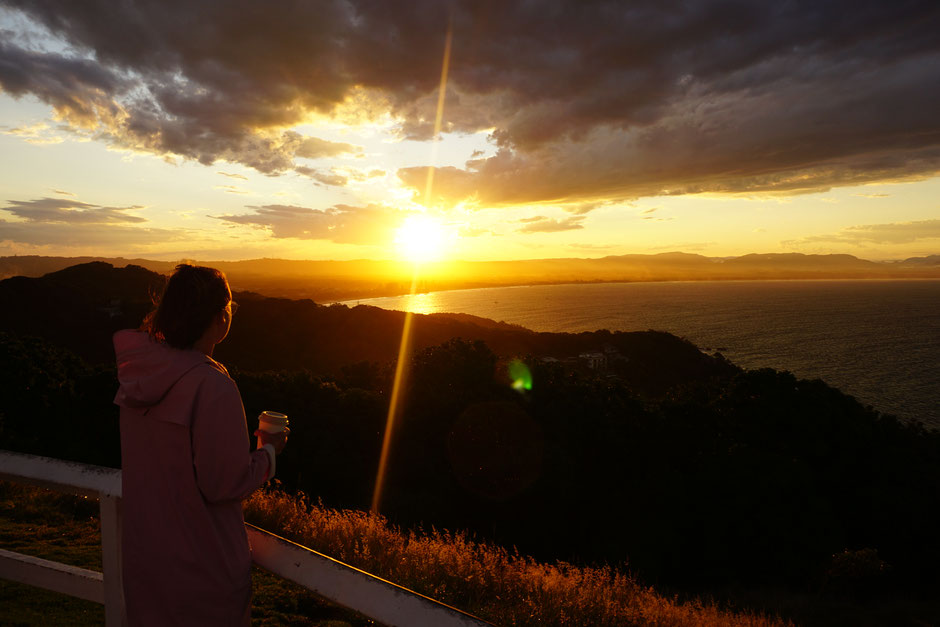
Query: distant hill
[
  {"x": 930, "y": 260},
  {"x": 80, "y": 307},
  {"x": 330, "y": 281}
]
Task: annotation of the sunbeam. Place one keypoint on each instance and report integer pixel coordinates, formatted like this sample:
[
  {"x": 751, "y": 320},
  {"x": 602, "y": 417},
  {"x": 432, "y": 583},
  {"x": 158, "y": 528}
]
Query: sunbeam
[{"x": 404, "y": 350}]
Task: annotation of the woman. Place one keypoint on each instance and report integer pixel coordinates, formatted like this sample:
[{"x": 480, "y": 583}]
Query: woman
[{"x": 186, "y": 461}]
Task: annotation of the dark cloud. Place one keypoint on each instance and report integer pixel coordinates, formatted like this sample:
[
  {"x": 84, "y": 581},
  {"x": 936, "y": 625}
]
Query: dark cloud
[
  {"x": 80, "y": 89},
  {"x": 65, "y": 211},
  {"x": 586, "y": 101},
  {"x": 372, "y": 224}
]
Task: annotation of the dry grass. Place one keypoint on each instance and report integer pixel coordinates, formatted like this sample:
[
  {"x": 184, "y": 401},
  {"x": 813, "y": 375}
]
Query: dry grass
[{"x": 486, "y": 580}]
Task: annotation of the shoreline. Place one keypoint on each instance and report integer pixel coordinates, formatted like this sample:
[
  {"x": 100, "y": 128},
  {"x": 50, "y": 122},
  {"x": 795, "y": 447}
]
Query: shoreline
[{"x": 352, "y": 302}]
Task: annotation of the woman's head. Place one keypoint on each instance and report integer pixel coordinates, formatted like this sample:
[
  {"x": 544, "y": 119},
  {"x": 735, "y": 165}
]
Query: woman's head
[{"x": 191, "y": 300}]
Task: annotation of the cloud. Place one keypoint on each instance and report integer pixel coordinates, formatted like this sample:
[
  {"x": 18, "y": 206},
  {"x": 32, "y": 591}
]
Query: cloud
[
  {"x": 341, "y": 176},
  {"x": 70, "y": 223},
  {"x": 65, "y": 211},
  {"x": 231, "y": 189},
  {"x": 584, "y": 101},
  {"x": 372, "y": 224},
  {"x": 233, "y": 176},
  {"x": 581, "y": 209},
  {"x": 315, "y": 148},
  {"x": 892, "y": 233},
  {"x": 79, "y": 88},
  {"x": 541, "y": 224},
  {"x": 747, "y": 146},
  {"x": 363, "y": 175},
  {"x": 327, "y": 178},
  {"x": 85, "y": 235},
  {"x": 38, "y": 133}
]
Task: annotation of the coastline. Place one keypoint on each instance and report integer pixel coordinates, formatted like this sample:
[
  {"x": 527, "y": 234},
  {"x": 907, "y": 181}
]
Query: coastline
[{"x": 352, "y": 302}]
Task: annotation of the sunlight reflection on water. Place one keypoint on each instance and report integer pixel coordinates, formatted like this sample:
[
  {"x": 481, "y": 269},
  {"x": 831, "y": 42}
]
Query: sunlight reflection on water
[{"x": 427, "y": 303}]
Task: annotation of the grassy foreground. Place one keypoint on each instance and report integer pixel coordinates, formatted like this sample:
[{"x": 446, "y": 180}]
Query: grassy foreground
[
  {"x": 486, "y": 580},
  {"x": 502, "y": 587},
  {"x": 66, "y": 529}
]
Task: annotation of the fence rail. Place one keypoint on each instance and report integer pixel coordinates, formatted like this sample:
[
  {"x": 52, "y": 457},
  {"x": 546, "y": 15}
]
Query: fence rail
[{"x": 383, "y": 601}]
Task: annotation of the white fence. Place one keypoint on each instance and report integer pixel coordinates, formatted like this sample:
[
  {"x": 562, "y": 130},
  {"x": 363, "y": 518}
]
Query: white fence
[{"x": 383, "y": 601}]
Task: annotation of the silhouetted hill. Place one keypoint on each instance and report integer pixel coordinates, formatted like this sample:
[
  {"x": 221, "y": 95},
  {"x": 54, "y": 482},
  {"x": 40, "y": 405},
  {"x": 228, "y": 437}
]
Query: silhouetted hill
[
  {"x": 79, "y": 307},
  {"x": 37, "y": 265},
  {"x": 82, "y": 306}
]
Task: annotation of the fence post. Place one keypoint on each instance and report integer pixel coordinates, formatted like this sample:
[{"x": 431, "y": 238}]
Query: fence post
[{"x": 111, "y": 560}]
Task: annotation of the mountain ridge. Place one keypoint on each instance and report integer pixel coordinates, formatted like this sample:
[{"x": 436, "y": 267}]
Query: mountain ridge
[{"x": 333, "y": 280}]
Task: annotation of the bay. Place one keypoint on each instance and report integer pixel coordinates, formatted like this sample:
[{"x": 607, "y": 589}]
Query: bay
[{"x": 876, "y": 340}]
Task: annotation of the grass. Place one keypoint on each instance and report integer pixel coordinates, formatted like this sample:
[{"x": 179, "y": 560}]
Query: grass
[
  {"x": 65, "y": 528},
  {"x": 56, "y": 527},
  {"x": 497, "y": 585},
  {"x": 489, "y": 581},
  {"x": 500, "y": 586}
]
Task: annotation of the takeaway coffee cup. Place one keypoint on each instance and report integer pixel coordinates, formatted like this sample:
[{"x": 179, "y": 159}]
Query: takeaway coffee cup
[{"x": 271, "y": 422}]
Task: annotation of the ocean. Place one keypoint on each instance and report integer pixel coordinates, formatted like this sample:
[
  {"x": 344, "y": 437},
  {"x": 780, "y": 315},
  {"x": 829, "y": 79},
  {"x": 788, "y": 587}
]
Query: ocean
[{"x": 876, "y": 340}]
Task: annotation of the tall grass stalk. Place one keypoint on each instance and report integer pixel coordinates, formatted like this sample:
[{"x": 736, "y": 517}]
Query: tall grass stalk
[{"x": 497, "y": 585}]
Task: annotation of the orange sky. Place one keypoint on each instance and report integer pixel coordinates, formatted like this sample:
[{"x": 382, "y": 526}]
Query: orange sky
[{"x": 233, "y": 131}]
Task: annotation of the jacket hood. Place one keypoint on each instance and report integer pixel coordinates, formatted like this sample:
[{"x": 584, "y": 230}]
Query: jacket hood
[{"x": 147, "y": 369}]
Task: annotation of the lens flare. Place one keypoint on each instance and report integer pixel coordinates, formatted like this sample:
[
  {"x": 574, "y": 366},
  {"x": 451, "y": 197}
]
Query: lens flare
[
  {"x": 520, "y": 375},
  {"x": 404, "y": 351},
  {"x": 401, "y": 375}
]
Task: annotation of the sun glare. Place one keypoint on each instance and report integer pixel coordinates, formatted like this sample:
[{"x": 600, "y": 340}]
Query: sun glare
[{"x": 420, "y": 239}]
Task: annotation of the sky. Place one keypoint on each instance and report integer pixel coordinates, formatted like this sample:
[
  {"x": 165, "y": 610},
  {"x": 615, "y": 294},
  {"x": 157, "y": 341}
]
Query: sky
[{"x": 476, "y": 130}]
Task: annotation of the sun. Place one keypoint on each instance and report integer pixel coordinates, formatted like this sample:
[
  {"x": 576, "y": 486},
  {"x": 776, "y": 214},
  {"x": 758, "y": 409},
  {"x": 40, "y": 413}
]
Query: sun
[{"x": 421, "y": 239}]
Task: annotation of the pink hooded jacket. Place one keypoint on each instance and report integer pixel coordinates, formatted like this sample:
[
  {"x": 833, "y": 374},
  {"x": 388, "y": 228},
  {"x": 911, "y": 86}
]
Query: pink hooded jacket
[{"x": 186, "y": 469}]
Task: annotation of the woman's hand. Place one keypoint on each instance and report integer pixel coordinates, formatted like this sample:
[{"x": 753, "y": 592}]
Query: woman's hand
[{"x": 277, "y": 440}]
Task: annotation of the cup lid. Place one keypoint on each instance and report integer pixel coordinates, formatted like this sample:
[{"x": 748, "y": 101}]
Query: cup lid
[{"x": 273, "y": 416}]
